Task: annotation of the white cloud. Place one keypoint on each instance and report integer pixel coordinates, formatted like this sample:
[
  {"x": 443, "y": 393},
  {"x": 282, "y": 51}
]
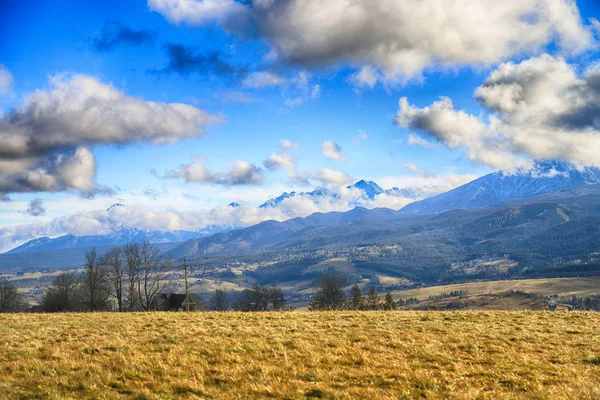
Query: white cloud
[
  {"x": 419, "y": 141},
  {"x": 392, "y": 41},
  {"x": 194, "y": 12},
  {"x": 332, "y": 176},
  {"x": 367, "y": 76},
  {"x": 261, "y": 79},
  {"x": 541, "y": 108},
  {"x": 287, "y": 144},
  {"x": 44, "y": 145},
  {"x": 180, "y": 212},
  {"x": 240, "y": 173},
  {"x": 428, "y": 186},
  {"x": 421, "y": 172},
  {"x": 277, "y": 161},
  {"x": 457, "y": 129},
  {"x": 6, "y": 80},
  {"x": 244, "y": 173},
  {"x": 333, "y": 151}
]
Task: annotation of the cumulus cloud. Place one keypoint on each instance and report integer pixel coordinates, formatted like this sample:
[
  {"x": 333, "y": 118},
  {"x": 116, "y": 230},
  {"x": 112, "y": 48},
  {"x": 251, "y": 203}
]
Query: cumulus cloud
[
  {"x": 287, "y": 144},
  {"x": 240, "y": 173},
  {"x": 244, "y": 173},
  {"x": 114, "y": 34},
  {"x": 457, "y": 129},
  {"x": 332, "y": 151},
  {"x": 279, "y": 161},
  {"x": 367, "y": 76},
  {"x": 328, "y": 175},
  {"x": 392, "y": 40},
  {"x": 36, "y": 208},
  {"x": 198, "y": 12},
  {"x": 44, "y": 145},
  {"x": 324, "y": 177},
  {"x": 69, "y": 170},
  {"x": 541, "y": 108},
  {"x": 287, "y": 162},
  {"x": 6, "y": 80},
  {"x": 261, "y": 79}
]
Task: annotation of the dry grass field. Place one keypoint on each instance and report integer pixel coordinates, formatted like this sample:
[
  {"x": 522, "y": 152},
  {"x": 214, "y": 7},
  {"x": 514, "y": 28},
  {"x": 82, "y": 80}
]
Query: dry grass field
[
  {"x": 368, "y": 355},
  {"x": 561, "y": 286}
]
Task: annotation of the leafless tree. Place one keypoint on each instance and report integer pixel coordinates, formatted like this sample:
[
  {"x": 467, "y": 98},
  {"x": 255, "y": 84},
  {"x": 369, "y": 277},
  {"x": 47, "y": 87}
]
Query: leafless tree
[
  {"x": 95, "y": 289},
  {"x": 219, "y": 302},
  {"x": 331, "y": 294},
  {"x": 10, "y": 298},
  {"x": 276, "y": 297},
  {"x": 133, "y": 264},
  {"x": 152, "y": 273},
  {"x": 116, "y": 274},
  {"x": 62, "y": 293}
]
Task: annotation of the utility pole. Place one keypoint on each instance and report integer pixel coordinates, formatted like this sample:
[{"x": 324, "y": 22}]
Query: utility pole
[{"x": 187, "y": 299}]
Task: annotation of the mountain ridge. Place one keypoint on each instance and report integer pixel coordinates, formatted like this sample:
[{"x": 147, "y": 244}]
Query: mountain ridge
[{"x": 544, "y": 177}]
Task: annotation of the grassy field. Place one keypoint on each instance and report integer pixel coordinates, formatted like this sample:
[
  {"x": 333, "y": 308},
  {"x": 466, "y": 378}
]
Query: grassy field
[
  {"x": 542, "y": 287},
  {"x": 373, "y": 355}
]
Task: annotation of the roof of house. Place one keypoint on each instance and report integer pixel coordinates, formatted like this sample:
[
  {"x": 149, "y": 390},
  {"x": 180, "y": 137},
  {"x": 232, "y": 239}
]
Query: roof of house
[{"x": 176, "y": 301}]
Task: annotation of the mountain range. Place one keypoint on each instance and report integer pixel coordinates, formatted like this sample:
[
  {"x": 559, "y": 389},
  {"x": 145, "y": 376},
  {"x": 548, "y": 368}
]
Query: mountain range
[
  {"x": 122, "y": 236},
  {"x": 495, "y": 189},
  {"x": 545, "y": 230},
  {"x": 369, "y": 191},
  {"x": 544, "y": 177}
]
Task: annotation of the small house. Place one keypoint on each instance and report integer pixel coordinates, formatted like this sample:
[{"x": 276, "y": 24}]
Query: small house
[{"x": 175, "y": 302}]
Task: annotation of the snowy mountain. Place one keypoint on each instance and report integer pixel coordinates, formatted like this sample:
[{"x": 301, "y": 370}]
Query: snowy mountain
[
  {"x": 121, "y": 237},
  {"x": 544, "y": 177},
  {"x": 314, "y": 195},
  {"x": 370, "y": 190}
]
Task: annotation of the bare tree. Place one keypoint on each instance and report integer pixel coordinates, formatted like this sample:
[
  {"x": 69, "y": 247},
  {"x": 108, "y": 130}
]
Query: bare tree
[
  {"x": 331, "y": 294},
  {"x": 10, "y": 298},
  {"x": 255, "y": 298},
  {"x": 151, "y": 277},
  {"x": 116, "y": 274},
  {"x": 133, "y": 264},
  {"x": 276, "y": 297},
  {"x": 95, "y": 289},
  {"x": 61, "y": 294},
  {"x": 219, "y": 302}
]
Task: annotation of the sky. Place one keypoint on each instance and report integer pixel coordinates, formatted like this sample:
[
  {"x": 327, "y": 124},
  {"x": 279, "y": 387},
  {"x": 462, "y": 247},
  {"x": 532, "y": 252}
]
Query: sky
[{"x": 176, "y": 108}]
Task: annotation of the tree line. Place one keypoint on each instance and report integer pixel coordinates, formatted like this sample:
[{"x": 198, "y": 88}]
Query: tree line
[
  {"x": 11, "y": 300},
  {"x": 126, "y": 278},
  {"x": 331, "y": 296},
  {"x": 255, "y": 298}
]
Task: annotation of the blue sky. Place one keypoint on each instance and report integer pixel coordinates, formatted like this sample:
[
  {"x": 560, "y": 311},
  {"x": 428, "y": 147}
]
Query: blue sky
[{"x": 49, "y": 39}]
